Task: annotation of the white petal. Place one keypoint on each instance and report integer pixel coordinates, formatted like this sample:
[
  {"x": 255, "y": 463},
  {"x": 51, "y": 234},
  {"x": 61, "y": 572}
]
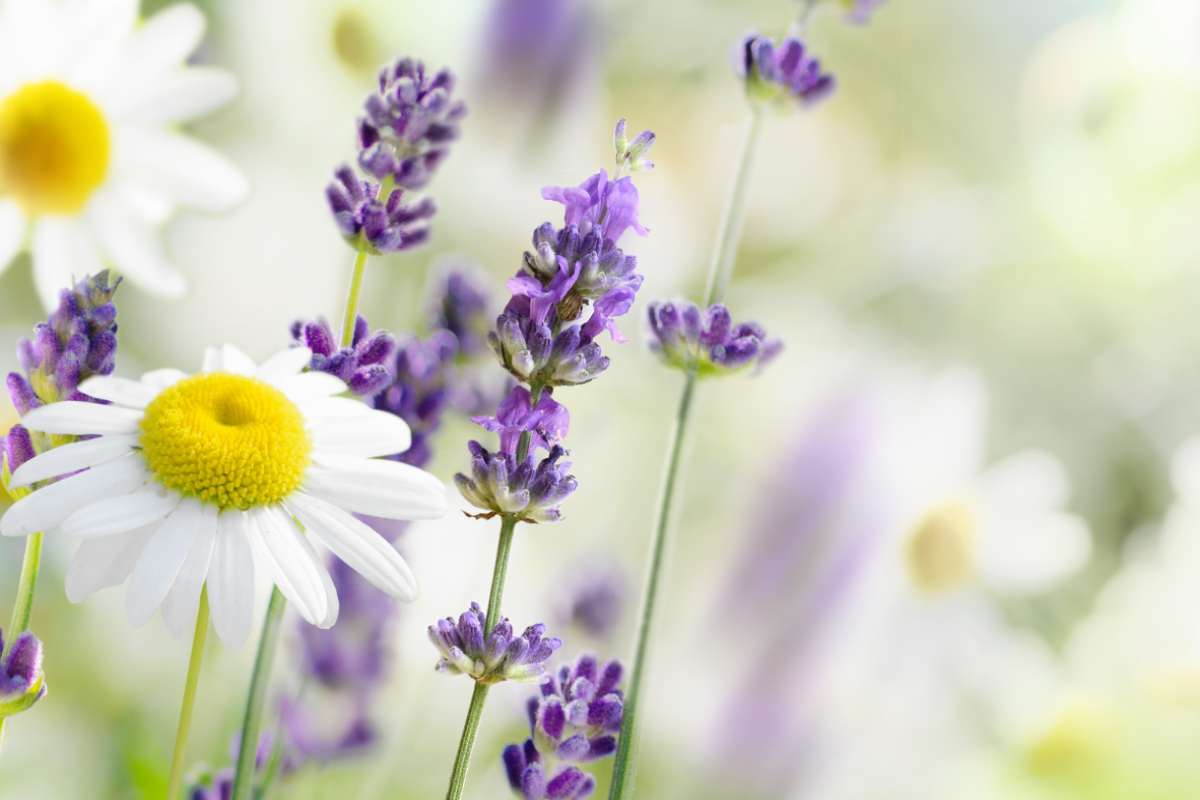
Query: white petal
[
  {"x": 297, "y": 574},
  {"x": 284, "y": 364},
  {"x": 376, "y": 433},
  {"x": 72, "y": 458},
  {"x": 163, "y": 378},
  {"x": 228, "y": 358},
  {"x": 122, "y": 391},
  {"x": 357, "y": 544},
  {"x": 12, "y": 232},
  {"x": 50, "y": 505},
  {"x": 186, "y": 171},
  {"x": 79, "y": 418},
  {"x": 162, "y": 42},
  {"x": 62, "y": 249},
  {"x": 315, "y": 410},
  {"x": 231, "y": 579},
  {"x": 134, "y": 249},
  {"x": 183, "y": 601},
  {"x": 163, "y": 557},
  {"x": 376, "y": 486},
  {"x": 100, "y": 563},
  {"x": 186, "y": 94},
  {"x": 1030, "y": 480},
  {"x": 122, "y": 513},
  {"x": 310, "y": 385},
  {"x": 1032, "y": 553}
]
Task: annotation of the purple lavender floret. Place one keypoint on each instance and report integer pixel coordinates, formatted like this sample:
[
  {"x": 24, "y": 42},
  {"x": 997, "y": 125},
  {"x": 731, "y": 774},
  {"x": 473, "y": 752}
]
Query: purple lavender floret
[
  {"x": 421, "y": 390},
  {"x": 527, "y": 776},
  {"x": 574, "y": 720},
  {"x": 500, "y": 655},
  {"x": 860, "y": 11},
  {"x": 547, "y": 422},
  {"x": 350, "y": 656},
  {"x": 460, "y": 304},
  {"x": 609, "y": 207},
  {"x": 21, "y": 680},
  {"x": 409, "y": 124},
  {"x": 631, "y": 153},
  {"x": 79, "y": 340},
  {"x": 534, "y": 354},
  {"x": 386, "y": 224},
  {"x": 365, "y": 366},
  {"x": 595, "y": 598},
  {"x": 780, "y": 72},
  {"x": 708, "y": 341},
  {"x": 529, "y": 491}
]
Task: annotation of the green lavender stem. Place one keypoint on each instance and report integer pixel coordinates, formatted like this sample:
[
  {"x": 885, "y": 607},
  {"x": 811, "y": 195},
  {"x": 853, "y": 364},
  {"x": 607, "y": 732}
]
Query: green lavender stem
[
  {"x": 720, "y": 270},
  {"x": 356, "y": 278},
  {"x": 189, "y": 697},
  {"x": 243, "y": 777},
  {"x": 26, "y": 586},
  {"x": 462, "y": 759}
]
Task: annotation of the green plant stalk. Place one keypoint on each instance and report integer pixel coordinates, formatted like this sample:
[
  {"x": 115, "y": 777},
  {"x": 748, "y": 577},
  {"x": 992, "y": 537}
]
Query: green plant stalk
[
  {"x": 243, "y": 777},
  {"x": 466, "y": 744},
  {"x": 356, "y": 276},
  {"x": 174, "y": 783},
  {"x": 26, "y": 586},
  {"x": 719, "y": 273}
]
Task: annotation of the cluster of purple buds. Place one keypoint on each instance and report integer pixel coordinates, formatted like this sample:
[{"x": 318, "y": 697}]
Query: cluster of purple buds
[
  {"x": 534, "y": 354},
  {"x": 364, "y": 366},
  {"x": 409, "y": 124},
  {"x": 21, "y": 680},
  {"x": 420, "y": 390},
  {"x": 708, "y": 342},
  {"x": 403, "y": 136},
  {"x": 596, "y": 599},
  {"x": 500, "y": 485},
  {"x": 499, "y": 655},
  {"x": 574, "y": 720},
  {"x": 78, "y": 340},
  {"x": 631, "y": 154},
  {"x": 386, "y": 225},
  {"x": 778, "y": 73},
  {"x": 512, "y": 482}
]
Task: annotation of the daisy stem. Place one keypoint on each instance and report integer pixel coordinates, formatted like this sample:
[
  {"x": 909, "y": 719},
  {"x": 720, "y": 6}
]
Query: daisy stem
[
  {"x": 720, "y": 270},
  {"x": 23, "y": 604},
  {"x": 189, "y": 696},
  {"x": 462, "y": 759},
  {"x": 243, "y": 777}
]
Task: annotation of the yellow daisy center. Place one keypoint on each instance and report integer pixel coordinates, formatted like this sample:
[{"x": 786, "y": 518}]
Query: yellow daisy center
[
  {"x": 941, "y": 551},
  {"x": 228, "y": 441},
  {"x": 54, "y": 148}
]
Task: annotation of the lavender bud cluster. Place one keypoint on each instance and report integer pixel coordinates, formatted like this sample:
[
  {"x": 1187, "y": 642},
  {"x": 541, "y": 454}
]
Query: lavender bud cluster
[
  {"x": 708, "y": 341},
  {"x": 495, "y": 656},
  {"x": 21, "y": 680},
  {"x": 404, "y": 134},
  {"x": 575, "y": 720},
  {"x": 779, "y": 73}
]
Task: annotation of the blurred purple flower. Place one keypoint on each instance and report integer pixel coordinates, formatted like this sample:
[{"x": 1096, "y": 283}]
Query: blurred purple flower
[
  {"x": 782, "y": 72},
  {"x": 594, "y": 598},
  {"x": 708, "y": 341},
  {"x": 460, "y": 304}
]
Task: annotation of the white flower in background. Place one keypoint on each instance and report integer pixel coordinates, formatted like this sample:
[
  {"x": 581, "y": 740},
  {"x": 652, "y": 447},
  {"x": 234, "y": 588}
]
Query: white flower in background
[
  {"x": 91, "y": 159},
  {"x": 963, "y": 523},
  {"x": 214, "y": 478}
]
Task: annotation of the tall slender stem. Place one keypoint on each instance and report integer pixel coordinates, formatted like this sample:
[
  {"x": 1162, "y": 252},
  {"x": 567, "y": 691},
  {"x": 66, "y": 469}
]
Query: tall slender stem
[
  {"x": 462, "y": 759},
  {"x": 189, "y": 697},
  {"x": 356, "y": 279},
  {"x": 622, "y": 781},
  {"x": 23, "y": 603},
  {"x": 721, "y": 266},
  {"x": 243, "y": 778},
  {"x": 719, "y": 272}
]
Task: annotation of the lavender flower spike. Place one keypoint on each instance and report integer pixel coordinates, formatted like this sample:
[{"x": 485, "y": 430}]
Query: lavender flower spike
[
  {"x": 527, "y": 776},
  {"x": 383, "y": 224},
  {"x": 460, "y": 305},
  {"x": 409, "y": 124},
  {"x": 365, "y": 366},
  {"x": 778, "y": 73},
  {"x": 21, "y": 680},
  {"x": 708, "y": 341},
  {"x": 497, "y": 656}
]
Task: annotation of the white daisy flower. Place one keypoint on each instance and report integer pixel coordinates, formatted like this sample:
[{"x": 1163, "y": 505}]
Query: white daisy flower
[
  {"x": 91, "y": 159},
  {"x": 217, "y": 478}
]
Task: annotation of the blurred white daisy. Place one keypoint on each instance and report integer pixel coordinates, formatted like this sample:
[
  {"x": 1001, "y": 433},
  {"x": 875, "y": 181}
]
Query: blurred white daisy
[
  {"x": 214, "y": 478},
  {"x": 91, "y": 159},
  {"x": 963, "y": 523}
]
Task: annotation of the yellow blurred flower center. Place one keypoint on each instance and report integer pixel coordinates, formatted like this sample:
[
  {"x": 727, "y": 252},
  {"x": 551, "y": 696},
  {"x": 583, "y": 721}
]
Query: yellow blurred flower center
[
  {"x": 1080, "y": 735},
  {"x": 941, "y": 551},
  {"x": 354, "y": 40},
  {"x": 229, "y": 441},
  {"x": 54, "y": 148}
]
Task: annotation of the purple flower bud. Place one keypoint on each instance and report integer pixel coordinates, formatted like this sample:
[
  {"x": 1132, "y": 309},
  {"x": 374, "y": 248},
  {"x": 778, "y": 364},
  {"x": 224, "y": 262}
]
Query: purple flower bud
[
  {"x": 21, "y": 680},
  {"x": 491, "y": 658},
  {"x": 385, "y": 225},
  {"x": 18, "y": 447},
  {"x": 778, "y": 73},
  {"x": 708, "y": 341}
]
